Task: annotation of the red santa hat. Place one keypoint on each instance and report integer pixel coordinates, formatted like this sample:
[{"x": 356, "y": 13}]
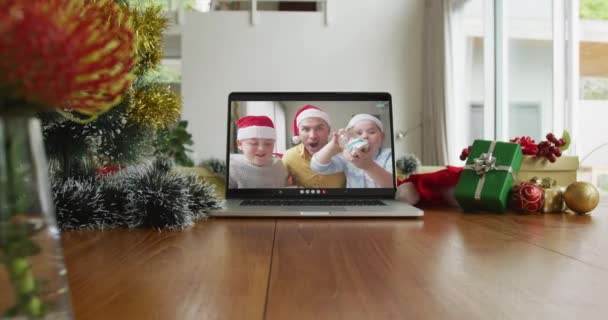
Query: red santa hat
[
  {"x": 365, "y": 116},
  {"x": 260, "y": 127},
  {"x": 434, "y": 188},
  {"x": 307, "y": 111}
]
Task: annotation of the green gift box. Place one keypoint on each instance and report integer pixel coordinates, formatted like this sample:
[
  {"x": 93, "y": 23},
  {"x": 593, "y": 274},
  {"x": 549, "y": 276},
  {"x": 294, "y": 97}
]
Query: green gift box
[{"x": 488, "y": 175}]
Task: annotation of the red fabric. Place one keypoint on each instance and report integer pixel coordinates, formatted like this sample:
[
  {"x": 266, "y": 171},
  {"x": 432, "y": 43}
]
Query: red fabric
[
  {"x": 431, "y": 186},
  {"x": 258, "y": 121},
  {"x": 294, "y": 124}
]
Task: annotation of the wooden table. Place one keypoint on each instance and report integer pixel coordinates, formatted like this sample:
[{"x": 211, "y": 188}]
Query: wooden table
[{"x": 447, "y": 265}]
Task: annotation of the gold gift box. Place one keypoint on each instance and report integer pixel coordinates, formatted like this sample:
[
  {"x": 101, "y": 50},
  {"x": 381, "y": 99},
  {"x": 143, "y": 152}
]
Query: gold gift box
[
  {"x": 553, "y": 200},
  {"x": 563, "y": 170}
]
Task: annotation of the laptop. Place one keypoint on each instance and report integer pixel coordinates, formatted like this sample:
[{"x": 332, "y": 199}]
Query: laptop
[{"x": 283, "y": 177}]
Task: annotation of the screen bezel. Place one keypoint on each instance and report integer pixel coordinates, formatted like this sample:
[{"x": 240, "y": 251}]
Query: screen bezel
[{"x": 329, "y": 193}]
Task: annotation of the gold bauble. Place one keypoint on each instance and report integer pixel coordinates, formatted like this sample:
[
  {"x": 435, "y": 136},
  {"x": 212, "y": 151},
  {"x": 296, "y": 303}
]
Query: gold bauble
[{"x": 581, "y": 197}]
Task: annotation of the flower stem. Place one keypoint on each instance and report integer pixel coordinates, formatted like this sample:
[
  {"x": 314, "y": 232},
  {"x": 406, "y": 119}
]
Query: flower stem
[{"x": 16, "y": 243}]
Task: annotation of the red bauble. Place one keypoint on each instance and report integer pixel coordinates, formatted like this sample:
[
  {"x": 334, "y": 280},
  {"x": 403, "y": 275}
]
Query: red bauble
[
  {"x": 109, "y": 170},
  {"x": 527, "y": 197}
]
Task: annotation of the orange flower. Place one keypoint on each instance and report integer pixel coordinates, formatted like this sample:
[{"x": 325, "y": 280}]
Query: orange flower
[{"x": 66, "y": 54}]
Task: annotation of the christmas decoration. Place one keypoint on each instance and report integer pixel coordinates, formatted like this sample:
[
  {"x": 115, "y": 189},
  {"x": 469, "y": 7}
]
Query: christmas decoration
[
  {"x": 553, "y": 200},
  {"x": 527, "y": 197},
  {"x": 217, "y": 166},
  {"x": 550, "y": 149},
  {"x": 407, "y": 164},
  {"x": 156, "y": 106},
  {"x": 87, "y": 59},
  {"x": 75, "y": 58},
  {"x": 433, "y": 188},
  {"x": 563, "y": 170},
  {"x": 108, "y": 165},
  {"x": 127, "y": 133},
  {"x": 465, "y": 153},
  {"x": 150, "y": 23},
  {"x": 80, "y": 205},
  {"x": 581, "y": 197},
  {"x": 487, "y": 177},
  {"x": 307, "y": 111},
  {"x": 148, "y": 195}
]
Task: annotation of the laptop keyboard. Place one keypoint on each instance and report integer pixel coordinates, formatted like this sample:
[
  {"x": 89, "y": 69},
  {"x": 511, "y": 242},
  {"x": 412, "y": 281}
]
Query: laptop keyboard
[{"x": 324, "y": 202}]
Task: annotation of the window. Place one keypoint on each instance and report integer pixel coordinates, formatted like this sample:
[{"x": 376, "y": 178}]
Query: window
[
  {"x": 264, "y": 5},
  {"x": 593, "y": 93},
  {"x": 532, "y": 67},
  {"x": 508, "y": 64}
]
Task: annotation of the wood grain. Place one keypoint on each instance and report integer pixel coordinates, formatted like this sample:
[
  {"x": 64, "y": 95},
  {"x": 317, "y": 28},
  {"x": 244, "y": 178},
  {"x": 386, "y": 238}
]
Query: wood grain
[
  {"x": 215, "y": 270},
  {"x": 580, "y": 237},
  {"x": 449, "y": 265}
]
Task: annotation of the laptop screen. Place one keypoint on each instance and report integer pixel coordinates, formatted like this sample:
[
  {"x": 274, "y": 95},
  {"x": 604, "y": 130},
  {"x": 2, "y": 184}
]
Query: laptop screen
[{"x": 310, "y": 145}]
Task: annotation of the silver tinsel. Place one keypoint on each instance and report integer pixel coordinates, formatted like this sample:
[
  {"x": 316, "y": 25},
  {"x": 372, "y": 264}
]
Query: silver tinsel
[
  {"x": 147, "y": 195},
  {"x": 407, "y": 164}
]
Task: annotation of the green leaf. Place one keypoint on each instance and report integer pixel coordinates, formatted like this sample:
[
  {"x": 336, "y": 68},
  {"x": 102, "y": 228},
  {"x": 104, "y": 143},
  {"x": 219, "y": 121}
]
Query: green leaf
[
  {"x": 566, "y": 137},
  {"x": 12, "y": 312}
]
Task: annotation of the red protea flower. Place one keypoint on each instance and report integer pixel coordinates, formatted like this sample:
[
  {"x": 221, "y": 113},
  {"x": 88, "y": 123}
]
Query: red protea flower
[{"x": 65, "y": 54}]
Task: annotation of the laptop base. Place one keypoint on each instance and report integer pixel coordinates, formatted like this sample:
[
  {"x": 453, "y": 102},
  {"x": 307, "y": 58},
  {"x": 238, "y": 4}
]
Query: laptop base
[{"x": 393, "y": 208}]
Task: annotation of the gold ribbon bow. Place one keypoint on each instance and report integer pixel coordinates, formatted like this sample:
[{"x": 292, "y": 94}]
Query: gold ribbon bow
[{"x": 545, "y": 183}]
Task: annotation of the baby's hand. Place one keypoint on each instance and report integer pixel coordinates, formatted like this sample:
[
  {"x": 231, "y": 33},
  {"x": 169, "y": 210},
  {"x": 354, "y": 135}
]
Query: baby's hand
[
  {"x": 334, "y": 143},
  {"x": 362, "y": 159}
]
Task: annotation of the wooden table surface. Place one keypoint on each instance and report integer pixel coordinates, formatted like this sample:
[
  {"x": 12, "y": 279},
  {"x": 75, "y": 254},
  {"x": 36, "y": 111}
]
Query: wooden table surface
[{"x": 447, "y": 265}]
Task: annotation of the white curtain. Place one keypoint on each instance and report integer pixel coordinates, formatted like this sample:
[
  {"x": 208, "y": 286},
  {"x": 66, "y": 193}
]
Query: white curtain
[{"x": 438, "y": 95}]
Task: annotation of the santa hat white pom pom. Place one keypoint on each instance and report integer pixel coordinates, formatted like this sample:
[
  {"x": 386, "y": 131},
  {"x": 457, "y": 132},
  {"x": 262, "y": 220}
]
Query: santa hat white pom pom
[
  {"x": 408, "y": 193},
  {"x": 295, "y": 139}
]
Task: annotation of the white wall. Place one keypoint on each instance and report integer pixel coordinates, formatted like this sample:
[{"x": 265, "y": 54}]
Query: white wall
[{"x": 369, "y": 46}]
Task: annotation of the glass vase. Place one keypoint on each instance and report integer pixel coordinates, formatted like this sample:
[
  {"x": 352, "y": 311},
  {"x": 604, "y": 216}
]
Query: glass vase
[{"x": 32, "y": 273}]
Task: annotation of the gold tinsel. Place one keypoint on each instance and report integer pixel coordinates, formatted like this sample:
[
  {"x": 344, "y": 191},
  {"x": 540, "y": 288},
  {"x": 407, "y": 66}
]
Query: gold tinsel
[
  {"x": 149, "y": 24},
  {"x": 156, "y": 106}
]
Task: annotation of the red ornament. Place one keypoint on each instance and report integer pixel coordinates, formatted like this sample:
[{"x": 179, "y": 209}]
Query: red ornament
[
  {"x": 109, "y": 170},
  {"x": 527, "y": 197}
]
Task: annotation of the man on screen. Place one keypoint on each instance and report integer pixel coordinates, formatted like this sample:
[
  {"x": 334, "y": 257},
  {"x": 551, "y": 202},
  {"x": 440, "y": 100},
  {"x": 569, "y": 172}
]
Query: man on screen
[{"x": 311, "y": 127}]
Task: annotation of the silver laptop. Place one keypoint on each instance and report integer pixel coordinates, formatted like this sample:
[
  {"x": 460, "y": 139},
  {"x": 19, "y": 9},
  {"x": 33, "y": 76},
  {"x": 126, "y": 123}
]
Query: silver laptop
[{"x": 273, "y": 156}]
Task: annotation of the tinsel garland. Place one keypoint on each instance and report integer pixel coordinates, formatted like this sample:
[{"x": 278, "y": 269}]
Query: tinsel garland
[
  {"x": 155, "y": 106},
  {"x": 217, "y": 166},
  {"x": 109, "y": 139},
  {"x": 148, "y": 196},
  {"x": 149, "y": 24},
  {"x": 407, "y": 164}
]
